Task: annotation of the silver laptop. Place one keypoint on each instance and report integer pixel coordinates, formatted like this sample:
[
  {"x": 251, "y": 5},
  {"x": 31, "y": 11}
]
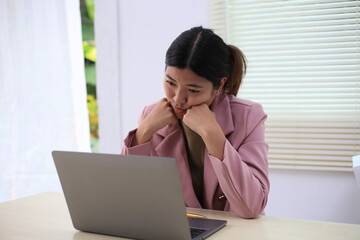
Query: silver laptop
[{"x": 129, "y": 196}]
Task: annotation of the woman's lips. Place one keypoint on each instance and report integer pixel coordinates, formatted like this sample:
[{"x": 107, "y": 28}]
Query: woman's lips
[{"x": 179, "y": 110}]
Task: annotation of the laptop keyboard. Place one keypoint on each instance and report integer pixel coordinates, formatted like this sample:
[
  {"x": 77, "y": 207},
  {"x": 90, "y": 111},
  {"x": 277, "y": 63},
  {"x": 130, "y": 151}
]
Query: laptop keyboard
[{"x": 196, "y": 232}]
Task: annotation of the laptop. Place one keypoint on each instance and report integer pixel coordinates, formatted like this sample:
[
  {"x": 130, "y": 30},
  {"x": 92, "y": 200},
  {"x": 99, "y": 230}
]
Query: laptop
[{"x": 137, "y": 197}]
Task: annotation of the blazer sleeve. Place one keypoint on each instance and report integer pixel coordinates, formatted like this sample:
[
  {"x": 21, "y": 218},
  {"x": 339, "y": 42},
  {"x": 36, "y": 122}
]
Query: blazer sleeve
[
  {"x": 243, "y": 173},
  {"x": 142, "y": 149}
]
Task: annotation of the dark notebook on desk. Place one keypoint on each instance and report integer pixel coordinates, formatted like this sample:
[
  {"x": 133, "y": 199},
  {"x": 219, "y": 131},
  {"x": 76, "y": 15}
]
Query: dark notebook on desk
[{"x": 129, "y": 196}]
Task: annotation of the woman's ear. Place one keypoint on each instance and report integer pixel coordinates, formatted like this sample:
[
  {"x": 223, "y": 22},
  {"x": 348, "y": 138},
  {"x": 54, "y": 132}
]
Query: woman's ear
[{"x": 219, "y": 90}]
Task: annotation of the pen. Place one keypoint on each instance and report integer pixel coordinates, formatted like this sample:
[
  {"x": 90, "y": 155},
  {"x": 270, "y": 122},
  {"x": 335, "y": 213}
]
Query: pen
[{"x": 194, "y": 215}]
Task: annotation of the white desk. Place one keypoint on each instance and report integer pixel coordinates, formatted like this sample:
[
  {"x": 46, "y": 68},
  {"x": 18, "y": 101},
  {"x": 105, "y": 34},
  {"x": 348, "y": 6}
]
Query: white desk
[{"x": 45, "y": 216}]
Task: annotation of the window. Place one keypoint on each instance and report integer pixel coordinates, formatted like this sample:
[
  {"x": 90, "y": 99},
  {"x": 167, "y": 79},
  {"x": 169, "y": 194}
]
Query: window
[
  {"x": 89, "y": 46},
  {"x": 304, "y": 68}
]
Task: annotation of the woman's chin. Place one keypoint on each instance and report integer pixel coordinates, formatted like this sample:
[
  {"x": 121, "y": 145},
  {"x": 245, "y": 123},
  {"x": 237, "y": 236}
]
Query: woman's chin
[
  {"x": 179, "y": 116},
  {"x": 179, "y": 113}
]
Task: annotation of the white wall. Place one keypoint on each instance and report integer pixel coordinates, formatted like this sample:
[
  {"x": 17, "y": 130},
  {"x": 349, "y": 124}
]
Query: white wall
[
  {"x": 146, "y": 31},
  {"x": 315, "y": 195},
  {"x": 132, "y": 37}
]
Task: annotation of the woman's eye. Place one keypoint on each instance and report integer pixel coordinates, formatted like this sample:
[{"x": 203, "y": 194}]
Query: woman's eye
[
  {"x": 170, "y": 83},
  {"x": 193, "y": 91}
]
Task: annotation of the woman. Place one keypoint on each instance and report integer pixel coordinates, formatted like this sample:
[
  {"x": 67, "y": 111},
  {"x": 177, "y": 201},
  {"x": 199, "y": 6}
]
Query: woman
[{"x": 217, "y": 139}]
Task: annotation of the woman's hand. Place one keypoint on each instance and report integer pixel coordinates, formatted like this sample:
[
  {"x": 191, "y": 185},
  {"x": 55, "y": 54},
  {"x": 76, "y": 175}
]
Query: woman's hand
[
  {"x": 161, "y": 116},
  {"x": 203, "y": 121},
  {"x": 200, "y": 118}
]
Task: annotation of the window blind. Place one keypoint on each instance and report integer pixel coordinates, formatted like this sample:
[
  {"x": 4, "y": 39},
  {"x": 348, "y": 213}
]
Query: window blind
[{"x": 304, "y": 68}]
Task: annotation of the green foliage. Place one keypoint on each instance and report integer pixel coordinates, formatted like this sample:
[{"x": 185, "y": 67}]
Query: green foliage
[
  {"x": 87, "y": 19},
  {"x": 90, "y": 9},
  {"x": 93, "y": 116},
  {"x": 90, "y": 76},
  {"x": 89, "y": 51},
  {"x": 88, "y": 32}
]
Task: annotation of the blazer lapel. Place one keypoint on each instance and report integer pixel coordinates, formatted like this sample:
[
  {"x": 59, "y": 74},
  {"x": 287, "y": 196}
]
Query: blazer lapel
[
  {"x": 210, "y": 181},
  {"x": 221, "y": 108},
  {"x": 173, "y": 145}
]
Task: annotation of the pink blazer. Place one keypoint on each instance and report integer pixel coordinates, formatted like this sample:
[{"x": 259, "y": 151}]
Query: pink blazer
[{"x": 240, "y": 182}]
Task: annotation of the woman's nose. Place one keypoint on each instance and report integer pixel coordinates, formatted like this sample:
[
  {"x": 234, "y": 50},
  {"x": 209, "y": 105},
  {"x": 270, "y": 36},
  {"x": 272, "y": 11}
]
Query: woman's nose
[{"x": 180, "y": 97}]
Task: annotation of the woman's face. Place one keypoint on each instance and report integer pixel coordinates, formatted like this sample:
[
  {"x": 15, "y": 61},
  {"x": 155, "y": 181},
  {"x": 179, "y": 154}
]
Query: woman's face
[{"x": 184, "y": 89}]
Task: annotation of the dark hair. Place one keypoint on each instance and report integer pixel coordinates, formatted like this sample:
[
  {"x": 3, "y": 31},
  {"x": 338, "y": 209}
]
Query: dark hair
[{"x": 207, "y": 55}]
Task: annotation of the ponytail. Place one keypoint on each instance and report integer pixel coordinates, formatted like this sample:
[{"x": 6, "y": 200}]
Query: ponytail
[{"x": 237, "y": 70}]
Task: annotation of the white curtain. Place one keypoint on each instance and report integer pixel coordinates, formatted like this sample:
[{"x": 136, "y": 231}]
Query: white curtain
[{"x": 42, "y": 92}]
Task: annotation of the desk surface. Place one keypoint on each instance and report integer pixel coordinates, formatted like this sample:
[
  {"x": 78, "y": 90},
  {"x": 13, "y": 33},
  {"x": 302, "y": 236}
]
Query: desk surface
[{"x": 45, "y": 216}]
